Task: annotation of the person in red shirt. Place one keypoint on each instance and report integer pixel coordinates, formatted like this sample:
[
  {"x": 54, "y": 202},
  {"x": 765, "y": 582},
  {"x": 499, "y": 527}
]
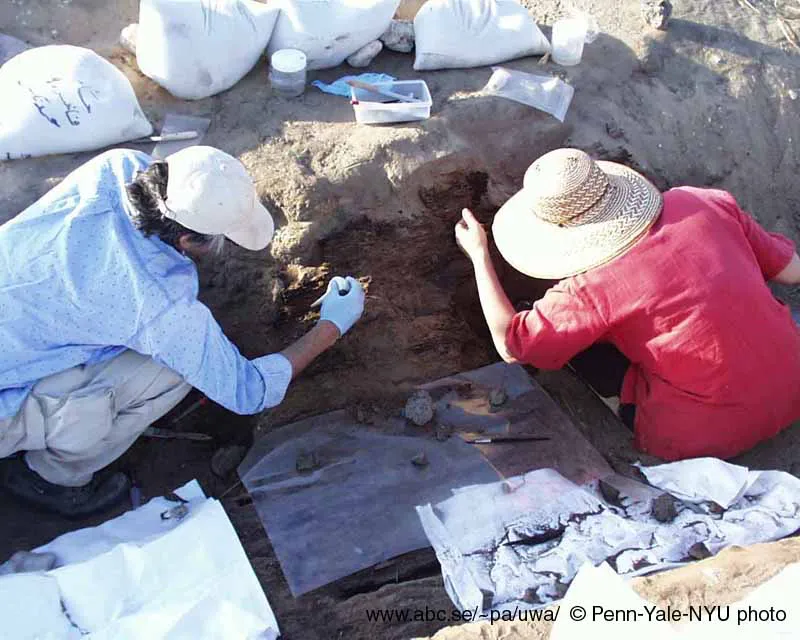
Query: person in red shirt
[{"x": 677, "y": 282}]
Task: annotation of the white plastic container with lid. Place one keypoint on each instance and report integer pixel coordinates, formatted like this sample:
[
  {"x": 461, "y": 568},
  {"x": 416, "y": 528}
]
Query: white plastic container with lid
[
  {"x": 569, "y": 36},
  {"x": 374, "y": 108},
  {"x": 287, "y": 72}
]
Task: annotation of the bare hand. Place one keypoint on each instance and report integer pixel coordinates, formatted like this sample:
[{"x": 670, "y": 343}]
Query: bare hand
[{"x": 471, "y": 236}]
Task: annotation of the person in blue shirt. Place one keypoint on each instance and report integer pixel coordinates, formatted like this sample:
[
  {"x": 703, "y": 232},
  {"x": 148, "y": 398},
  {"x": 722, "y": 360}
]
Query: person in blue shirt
[{"x": 102, "y": 332}]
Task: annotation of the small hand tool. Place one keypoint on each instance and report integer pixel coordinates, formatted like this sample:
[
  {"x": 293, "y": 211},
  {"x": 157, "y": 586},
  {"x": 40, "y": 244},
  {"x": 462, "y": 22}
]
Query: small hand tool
[
  {"x": 170, "y": 434},
  {"x": 168, "y": 137},
  {"x": 492, "y": 439},
  {"x": 386, "y": 93}
]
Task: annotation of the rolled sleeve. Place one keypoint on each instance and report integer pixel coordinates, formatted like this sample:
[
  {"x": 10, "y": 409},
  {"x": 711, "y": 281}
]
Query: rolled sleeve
[
  {"x": 187, "y": 339},
  {"x": 560, "y": 325},
  {"x": 276, "y": 371},
  {"x": 773, "y": 251}
]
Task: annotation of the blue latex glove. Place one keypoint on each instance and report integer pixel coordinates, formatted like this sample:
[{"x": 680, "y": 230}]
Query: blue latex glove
[
  {"x": 343, "y": 303},
  {"x": 341, "y": 88}
]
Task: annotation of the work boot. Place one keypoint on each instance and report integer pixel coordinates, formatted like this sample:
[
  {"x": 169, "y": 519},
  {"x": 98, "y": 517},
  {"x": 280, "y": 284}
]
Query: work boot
[{"x": 70, "y": 502}]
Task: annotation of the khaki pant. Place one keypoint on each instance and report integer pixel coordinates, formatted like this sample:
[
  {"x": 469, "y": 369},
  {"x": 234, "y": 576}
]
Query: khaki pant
[{"x": 78, "y": 421}]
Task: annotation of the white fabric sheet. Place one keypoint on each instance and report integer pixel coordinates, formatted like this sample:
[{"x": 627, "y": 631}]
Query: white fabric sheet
[
  {"x": 138, "y": 576},
  {"x": 519, "y": 543}
]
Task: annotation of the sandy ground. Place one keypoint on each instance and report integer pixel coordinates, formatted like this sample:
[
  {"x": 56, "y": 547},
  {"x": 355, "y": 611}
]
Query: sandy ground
[{"x": 711, "y": 101}]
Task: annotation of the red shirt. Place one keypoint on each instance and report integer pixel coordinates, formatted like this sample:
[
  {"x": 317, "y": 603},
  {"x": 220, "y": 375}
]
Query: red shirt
[{"x": 715, "y": 357}]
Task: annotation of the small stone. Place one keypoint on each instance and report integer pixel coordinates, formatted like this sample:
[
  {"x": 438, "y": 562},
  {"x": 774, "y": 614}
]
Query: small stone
[
  {"x": 560, "y": 589},
  {"x": 127, "y": 37},
  {"x": 399, "y": 36},
  {"x": 443, "y": 432},
  {"x": 420, "y": 460},
  {"x": 497, "y": 397},
  {"x": 278, "y": 288},
  {"x": 306, "y": 462},
  {"x": 531, "y": 596},
  {"x": 226, "y": 459},
  {"x": 614, "y": 131},
  {"x": 656, "y": 13},
  {"x": 610, "y": 494},
  {"x": 699, "y": 551},
  {"x": 367, "y": 414},
  {"x": 664, "y": 508},
  {"x": 792, "y": 94},
  {"x": 419, "y": 408},
  {"x": 365, "y": 54}
]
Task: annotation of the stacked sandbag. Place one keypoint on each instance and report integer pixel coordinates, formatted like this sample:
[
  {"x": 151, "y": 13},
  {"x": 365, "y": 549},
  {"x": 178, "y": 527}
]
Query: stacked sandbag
[
  {"x": 64, "y": 99},
  {"x": 329, "y": 31},
  {"x": 456, "y": 34},
  {"x": 198, "y": 48}
]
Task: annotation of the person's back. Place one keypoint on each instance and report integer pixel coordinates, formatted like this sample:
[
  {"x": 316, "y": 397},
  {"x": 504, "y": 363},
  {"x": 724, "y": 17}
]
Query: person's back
[
  {"x": 65, "y": 263},
  {"x": 715, "y": 357},
  {"x": 103, "y": 332},
  {"x": 676, "y": 281}
]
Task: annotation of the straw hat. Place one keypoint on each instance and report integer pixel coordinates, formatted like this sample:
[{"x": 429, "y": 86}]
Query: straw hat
[{"x": 574, "y": 214}]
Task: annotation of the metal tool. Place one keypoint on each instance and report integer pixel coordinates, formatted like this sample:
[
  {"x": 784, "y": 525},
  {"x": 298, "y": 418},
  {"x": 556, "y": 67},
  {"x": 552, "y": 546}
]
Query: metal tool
[
  {"x": 177, "y": 123},
  {"x": 190, "y": 409},
  {"x": 386, "y": 93},
  {"x": 341, "y": 292},
  {"x": 492, "y": 439},
  {"x": 170, "y": 434},
  {"x": 168, "y": 137}
]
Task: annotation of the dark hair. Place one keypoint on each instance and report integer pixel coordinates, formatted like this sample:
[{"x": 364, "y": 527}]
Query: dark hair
[{"x": 148, "y": 193}]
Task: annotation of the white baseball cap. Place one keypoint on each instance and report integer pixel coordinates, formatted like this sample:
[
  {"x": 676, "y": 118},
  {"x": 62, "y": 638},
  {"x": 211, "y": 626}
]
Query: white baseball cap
[{"x": 209, "y": 191}]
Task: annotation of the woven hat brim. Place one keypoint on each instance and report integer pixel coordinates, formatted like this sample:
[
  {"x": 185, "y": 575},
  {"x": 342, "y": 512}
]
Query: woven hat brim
[{"x": 548, "y": 251}]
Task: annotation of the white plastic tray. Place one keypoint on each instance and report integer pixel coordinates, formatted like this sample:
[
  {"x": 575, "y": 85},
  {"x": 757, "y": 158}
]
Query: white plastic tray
[{"x": 373, "y": 108}]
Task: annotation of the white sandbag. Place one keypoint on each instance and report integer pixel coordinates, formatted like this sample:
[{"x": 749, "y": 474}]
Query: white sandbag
[
  {"x": 197, "y": 48},
  {"x": 458, "y": 34},
  {"x": 328, "y": 31},
  {"x": 63, "y": 99},
  {"x": 365, "y": 55}
]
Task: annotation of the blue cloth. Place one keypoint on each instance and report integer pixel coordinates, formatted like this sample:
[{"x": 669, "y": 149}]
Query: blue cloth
[
  {"x": 80, "y": 284},
  {"x": 341, "y": 88}
]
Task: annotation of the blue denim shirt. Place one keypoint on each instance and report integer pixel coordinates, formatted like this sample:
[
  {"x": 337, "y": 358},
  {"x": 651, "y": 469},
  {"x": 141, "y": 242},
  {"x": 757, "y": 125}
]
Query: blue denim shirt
[{"x": 79, "y": 284}]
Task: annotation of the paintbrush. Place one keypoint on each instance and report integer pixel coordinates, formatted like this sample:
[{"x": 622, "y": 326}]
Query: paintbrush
[
  {"x": 386, "y": 93},
  {"x": 491, "y": 439},
  {"x": 168, "y": 137}
]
